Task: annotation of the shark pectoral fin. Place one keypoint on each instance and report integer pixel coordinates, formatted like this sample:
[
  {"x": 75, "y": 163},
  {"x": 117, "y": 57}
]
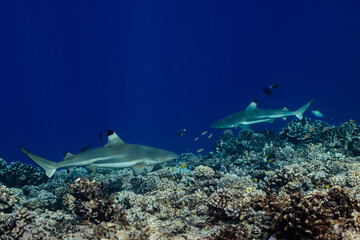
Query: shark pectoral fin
[
  {"x": 246, "y": 127},
  {"x": 91, "y": 167},
  {"x": 113, "y": 139},
  {"x": 284, "y": 118},
  {"x": 138, "y": 168},
  {"x": 271, "y": 120}
]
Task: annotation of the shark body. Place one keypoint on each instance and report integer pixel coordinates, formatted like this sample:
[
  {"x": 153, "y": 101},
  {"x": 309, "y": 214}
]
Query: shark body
[
  {"x": 252, "y": 115},
  {"x": 115, "y": 154}
]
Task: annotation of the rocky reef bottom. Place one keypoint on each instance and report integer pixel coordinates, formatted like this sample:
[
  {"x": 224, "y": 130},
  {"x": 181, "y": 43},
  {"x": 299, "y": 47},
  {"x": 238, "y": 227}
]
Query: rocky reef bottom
[{"x": 300, "y": 184}]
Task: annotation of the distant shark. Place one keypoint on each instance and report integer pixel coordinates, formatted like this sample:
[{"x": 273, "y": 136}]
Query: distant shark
[
  {"x": 252, "y": 114},
  {"x": 115, "y": 154}
]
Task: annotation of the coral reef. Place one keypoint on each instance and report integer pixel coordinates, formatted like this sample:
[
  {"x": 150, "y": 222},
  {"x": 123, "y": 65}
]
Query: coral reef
[
  {"x": 90, "y": 201},
  {"x": 342, "y": 139},
  {"x": 26, "y": 224},
  {"x": 7, "y": 199},
  {"x": 305, "y": 130},
  {"x": 307, "y": 189},
  {"x": 19, "y": 174},
  {"x": 35, "y": 197},
  {"x": 316, "y": 215},
  {"x": 203, "y": 172}
]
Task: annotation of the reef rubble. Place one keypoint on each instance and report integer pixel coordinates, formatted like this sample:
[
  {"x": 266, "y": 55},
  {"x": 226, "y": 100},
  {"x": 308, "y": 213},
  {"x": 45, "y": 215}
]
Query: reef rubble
[{"x": 309, "y": 189}]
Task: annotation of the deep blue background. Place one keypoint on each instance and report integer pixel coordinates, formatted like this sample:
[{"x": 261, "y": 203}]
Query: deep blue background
[{"x": 146, "y": 69}]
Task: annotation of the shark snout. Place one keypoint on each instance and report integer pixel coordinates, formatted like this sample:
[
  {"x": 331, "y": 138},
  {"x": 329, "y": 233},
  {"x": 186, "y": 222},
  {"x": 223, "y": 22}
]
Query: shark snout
[
  {"x": 216, "y": 125},
  {"x": 219, "y": 124}
]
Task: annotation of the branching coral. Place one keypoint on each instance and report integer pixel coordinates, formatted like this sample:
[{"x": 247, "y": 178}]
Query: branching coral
[
  {"x": 204, "y": 172},
  {"x": 304, "y": 130},
  {"x": 89, "y": 200},
  {"x": 7, "y": 199},
  {"x": 19, "y": 174},
  {"x": 316, "y": 215}
]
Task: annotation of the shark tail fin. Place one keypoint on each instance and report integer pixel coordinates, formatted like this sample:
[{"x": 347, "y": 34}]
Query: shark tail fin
[
  {"x": 300, "y": 111},
  {"x": 49, "y": 166}
]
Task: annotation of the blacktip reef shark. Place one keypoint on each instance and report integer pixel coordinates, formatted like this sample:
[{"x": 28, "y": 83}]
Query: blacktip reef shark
[
  {"x": 115, "y": 154},
  {"x": 252, "y": 114}
]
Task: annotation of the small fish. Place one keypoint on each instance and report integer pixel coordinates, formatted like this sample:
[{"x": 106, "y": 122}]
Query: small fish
[
  {"x": 311, "y": 129},
  {"x": 255, "y": 180},
  {"x": 317, "y": 113},
  {"x": 182, "y": 165},
  {"x": 101, "y": 134},
  {"x": 327, "y": 186},
  {"x": 210, "y": 135},
  {"x": 200, "y": 150},
  {"x": 270, "y": 158},
  {"x": 326, "y": 129},
  {"x": 196, "y": 139},
  {"x": 83, "y": 149},
  {"x": 306, "y": 137},
  {"x": 267, "y": 90},
  {"x": 202, "y": 134},
  {"x": 181, "y": 132},
  {"x": 352, "y": 121}
]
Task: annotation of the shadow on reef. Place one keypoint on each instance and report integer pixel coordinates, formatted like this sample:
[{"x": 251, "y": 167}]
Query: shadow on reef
[{"x": 307, "y": 189}]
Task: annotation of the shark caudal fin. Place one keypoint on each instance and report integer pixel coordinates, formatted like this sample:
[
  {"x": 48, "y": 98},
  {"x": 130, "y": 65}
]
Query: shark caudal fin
[
  {"x": 300, "y": 111},
  {"x": 49, "y": 166}
]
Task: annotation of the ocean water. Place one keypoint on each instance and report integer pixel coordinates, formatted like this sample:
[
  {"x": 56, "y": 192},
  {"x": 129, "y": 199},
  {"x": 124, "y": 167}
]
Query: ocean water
[{"x": 147, "y": 69}]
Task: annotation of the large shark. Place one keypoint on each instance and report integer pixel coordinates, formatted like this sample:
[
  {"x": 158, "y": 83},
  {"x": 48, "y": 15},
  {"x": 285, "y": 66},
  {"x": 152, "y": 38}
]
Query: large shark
[
  {"x": 252, "y": 114},
  {"x": 115, "y": 154}
]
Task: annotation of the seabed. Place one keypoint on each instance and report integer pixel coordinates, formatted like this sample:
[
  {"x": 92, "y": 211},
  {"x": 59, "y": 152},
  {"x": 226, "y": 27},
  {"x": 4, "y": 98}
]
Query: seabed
[{"x": 309, "y": 189}]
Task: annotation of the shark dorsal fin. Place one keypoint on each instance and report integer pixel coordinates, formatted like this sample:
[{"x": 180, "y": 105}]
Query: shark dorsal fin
[
  {"x": 113, "y": 139},
  {"x": 285, "y": 109},
  {"x": 67, "y": 155},
  {"x": 252, "y": 105}
]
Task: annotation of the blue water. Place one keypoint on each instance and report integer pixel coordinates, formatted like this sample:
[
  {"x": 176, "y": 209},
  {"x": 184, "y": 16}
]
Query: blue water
[{"x": 147, "y": 69}]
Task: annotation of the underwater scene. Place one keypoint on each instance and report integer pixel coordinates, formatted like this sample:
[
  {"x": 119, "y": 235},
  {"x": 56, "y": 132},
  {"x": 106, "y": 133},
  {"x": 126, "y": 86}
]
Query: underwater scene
[{"x": 179, "y": 120}]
